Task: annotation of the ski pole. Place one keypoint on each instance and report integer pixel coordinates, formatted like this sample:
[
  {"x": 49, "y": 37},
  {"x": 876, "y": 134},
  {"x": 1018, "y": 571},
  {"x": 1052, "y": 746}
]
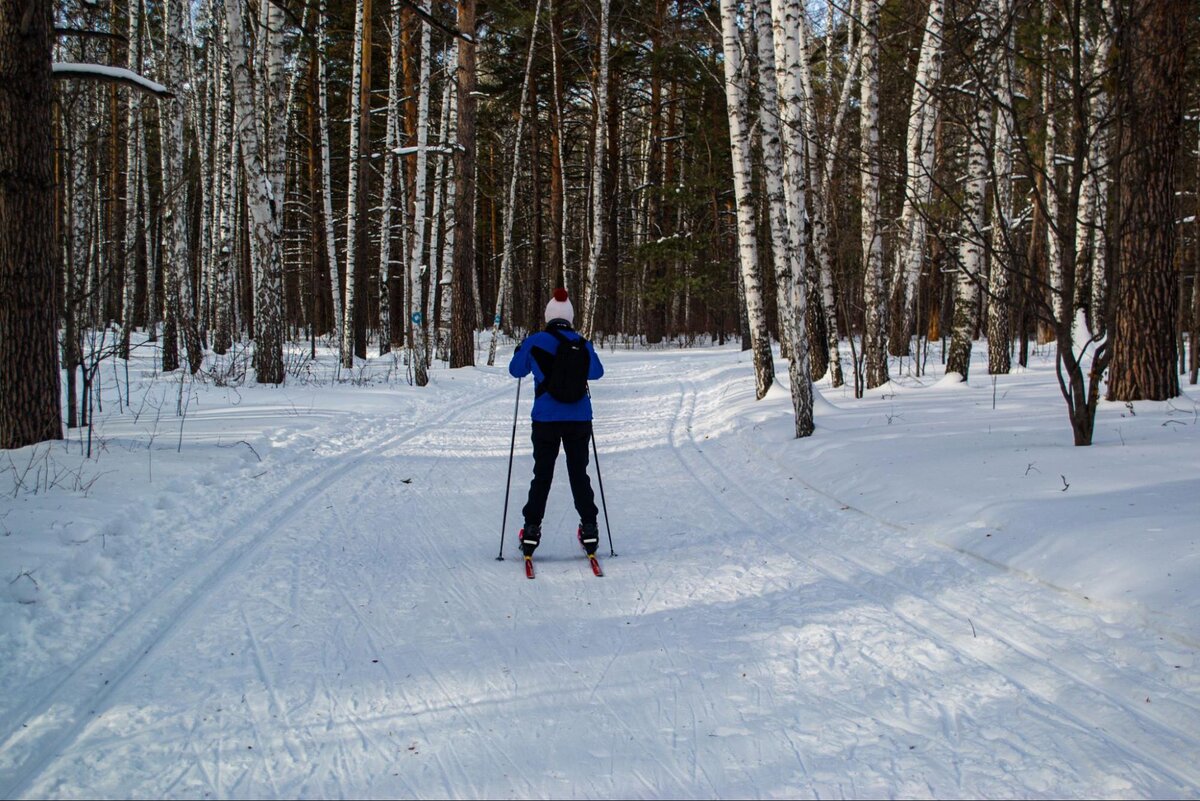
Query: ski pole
[
  {"x": 508, "y": 481},
  {"x": 600, "y": 479}
]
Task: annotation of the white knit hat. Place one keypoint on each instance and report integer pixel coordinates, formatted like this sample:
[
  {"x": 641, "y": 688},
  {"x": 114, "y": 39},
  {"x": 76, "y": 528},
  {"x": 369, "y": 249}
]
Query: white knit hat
[{"x": 559, "y": 307}]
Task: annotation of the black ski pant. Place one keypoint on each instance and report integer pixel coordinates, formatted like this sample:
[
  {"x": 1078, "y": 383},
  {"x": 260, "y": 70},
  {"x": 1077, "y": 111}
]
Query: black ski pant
[{"x": 574, "y": 436}]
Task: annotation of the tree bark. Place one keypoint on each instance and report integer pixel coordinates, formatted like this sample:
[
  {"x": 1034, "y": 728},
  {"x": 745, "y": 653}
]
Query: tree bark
[
  {"x": 1151, "y": 90},
  {"x": 29, "y": 376},
  {"x": 739, "y": 138},
  {"x": 462, "y": 338}
]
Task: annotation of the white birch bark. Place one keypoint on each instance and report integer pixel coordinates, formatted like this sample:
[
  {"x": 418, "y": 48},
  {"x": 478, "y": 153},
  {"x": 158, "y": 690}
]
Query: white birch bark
[
  {"x": 786, "y": 197},
  {"x": 999, "y": 323},
  {"x": 435, "y": 227},
  {"x": 447, "y": 277},
  {"x": 225, "y": 191},
  {"x": 418, "y": 328},
  {"x": 174, "y": 150},
  {"x": 265, "y": 207},
  {"x": 737, "y": 101},
  {"x": 590, "y": 289},
  {"x": 821, "y": 171},
  {"x": 1050, "y": 153},
  {"x": 874, "y": 302},
  {"x": 133, "y": 168},
  {"x": 1091, "y": 229},
  {"x": 356, "y": 81},
  {"x": 391, "y": 142},
  {"x": 920, "y": 155},
  {"x": 971, "y": 232},
  {"x": 511, "y": 208},
  {"x": 335, "y": 292}
]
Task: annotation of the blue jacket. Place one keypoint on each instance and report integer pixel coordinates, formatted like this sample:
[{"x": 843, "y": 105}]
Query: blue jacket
[{"x": 535, "y": 355}]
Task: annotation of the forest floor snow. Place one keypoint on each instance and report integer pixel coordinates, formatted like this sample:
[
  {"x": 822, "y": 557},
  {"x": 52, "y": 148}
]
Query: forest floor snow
[{"x": 293, "y": 592}]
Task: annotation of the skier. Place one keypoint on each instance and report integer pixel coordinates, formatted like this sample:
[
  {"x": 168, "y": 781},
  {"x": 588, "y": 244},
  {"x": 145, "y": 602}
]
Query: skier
[{"x": 562, "y": 362}]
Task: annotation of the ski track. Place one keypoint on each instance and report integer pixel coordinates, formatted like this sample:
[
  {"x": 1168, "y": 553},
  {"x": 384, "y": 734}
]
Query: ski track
[
  {"x": 28, "y": 744},
  {"x": 1035, "y": 667},
  {"x": 757, "y": 637}
]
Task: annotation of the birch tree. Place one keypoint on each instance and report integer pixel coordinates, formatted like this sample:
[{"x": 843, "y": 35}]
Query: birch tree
[
  {"x": 510, "y": 209},
  {"x": 590, "y": 290},
  {"x": 737, "y": 102},
  {"x": 786, "y": 195},
  {"x": 335, "y": 292},
  {"x": 358, "y": 98},
  {"x": 874, "y": 307},
  {"x": 920, "y": 154},
  {"x": 999, "y": 320},
  {"x": 390, "y": 159},
  {"x": 133, "y": 166},
  {"x": 821, "y": 177},
  {"x": 971, "y": 247},
  {"x": 265, "y": 206},
  {"x": 416, "y": 317},
  {"x": 174, "y": 150}
]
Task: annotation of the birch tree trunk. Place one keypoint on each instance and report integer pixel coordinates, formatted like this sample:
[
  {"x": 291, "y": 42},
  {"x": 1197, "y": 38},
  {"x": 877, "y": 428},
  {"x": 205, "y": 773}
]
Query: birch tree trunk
[
  {"x": 510, "y": 208},
  {"x": 391, "y": 143},
  {"x": 971, "y": 242},
  {"x": 821, "y": 171},
  {"x": 874, "y": 302},
  {"x": 133, "y": 166},
  {"x": 1050, "y": 158},
  {"x": 590, "y": 290},
  {"x": 265, "y": 207},
  {"x": 448, "y": 251},
  {"x": 227, "y": 174},
  {"x": 331, "y": 253},
  {"x": 417, "y": 328},
  {"x": 173, "y": 111},
  {"x": 357, "y": 79},
  {"x": 999, "y": 319},
  {"x": 920, "y": 154},
  {"x": 737, "y": 101},
  {"x": 786, "y": 196}
]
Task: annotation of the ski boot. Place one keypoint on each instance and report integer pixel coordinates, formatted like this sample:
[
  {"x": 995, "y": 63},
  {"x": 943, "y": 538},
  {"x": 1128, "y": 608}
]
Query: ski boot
[
  {"x": 589, "y": 537},
  {"x": 529, "y": 537}
]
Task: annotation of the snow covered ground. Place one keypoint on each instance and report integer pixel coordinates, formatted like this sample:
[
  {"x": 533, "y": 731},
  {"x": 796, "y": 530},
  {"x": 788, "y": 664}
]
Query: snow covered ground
[{"x": 294, "y": 592}]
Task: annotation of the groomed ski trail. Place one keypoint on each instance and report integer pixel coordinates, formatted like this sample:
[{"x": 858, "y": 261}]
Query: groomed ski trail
[{"x": 354, "y": 636}]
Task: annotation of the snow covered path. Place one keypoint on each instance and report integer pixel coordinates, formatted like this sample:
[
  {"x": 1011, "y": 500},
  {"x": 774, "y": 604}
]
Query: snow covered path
[{"x": 350, "y": 633}]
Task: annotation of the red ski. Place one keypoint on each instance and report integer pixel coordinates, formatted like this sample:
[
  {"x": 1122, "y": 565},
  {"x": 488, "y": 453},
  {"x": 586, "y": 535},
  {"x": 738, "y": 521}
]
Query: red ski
[
  {"x": 595, "y": 565},
  {"x": 528, "y": 567}
]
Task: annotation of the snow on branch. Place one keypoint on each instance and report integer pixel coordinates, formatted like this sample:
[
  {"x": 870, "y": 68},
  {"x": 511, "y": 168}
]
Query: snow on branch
[
  {"x": 409, "y": 150},
  {"x": 101, "y": 72}
]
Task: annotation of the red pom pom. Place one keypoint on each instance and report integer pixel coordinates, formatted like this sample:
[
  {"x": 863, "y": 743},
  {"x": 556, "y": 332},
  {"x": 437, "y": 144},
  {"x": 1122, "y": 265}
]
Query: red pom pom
[{"x": 560, "y": 295}]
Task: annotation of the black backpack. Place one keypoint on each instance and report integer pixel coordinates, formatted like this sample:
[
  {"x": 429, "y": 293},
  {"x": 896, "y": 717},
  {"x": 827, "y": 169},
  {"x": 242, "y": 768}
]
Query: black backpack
[{"x": 566, "y": 380}]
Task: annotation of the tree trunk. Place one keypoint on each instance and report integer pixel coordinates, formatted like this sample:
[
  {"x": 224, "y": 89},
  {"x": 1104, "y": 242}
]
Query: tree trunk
[
  {"x": 590, "y": 289},
  {"x": 736, "y": 98},
  {"x": 1151, "y": 91},
  {"x": 874, "y": 301},
  {"x": 417, "y": 326},
  {"x": 511, "y": 206},
  {"x": 462, "y": 339},
  {"x": 971, "y": 246},
  {"x": 29, "y": 376},
  {"x": 786, "y": 193}
]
